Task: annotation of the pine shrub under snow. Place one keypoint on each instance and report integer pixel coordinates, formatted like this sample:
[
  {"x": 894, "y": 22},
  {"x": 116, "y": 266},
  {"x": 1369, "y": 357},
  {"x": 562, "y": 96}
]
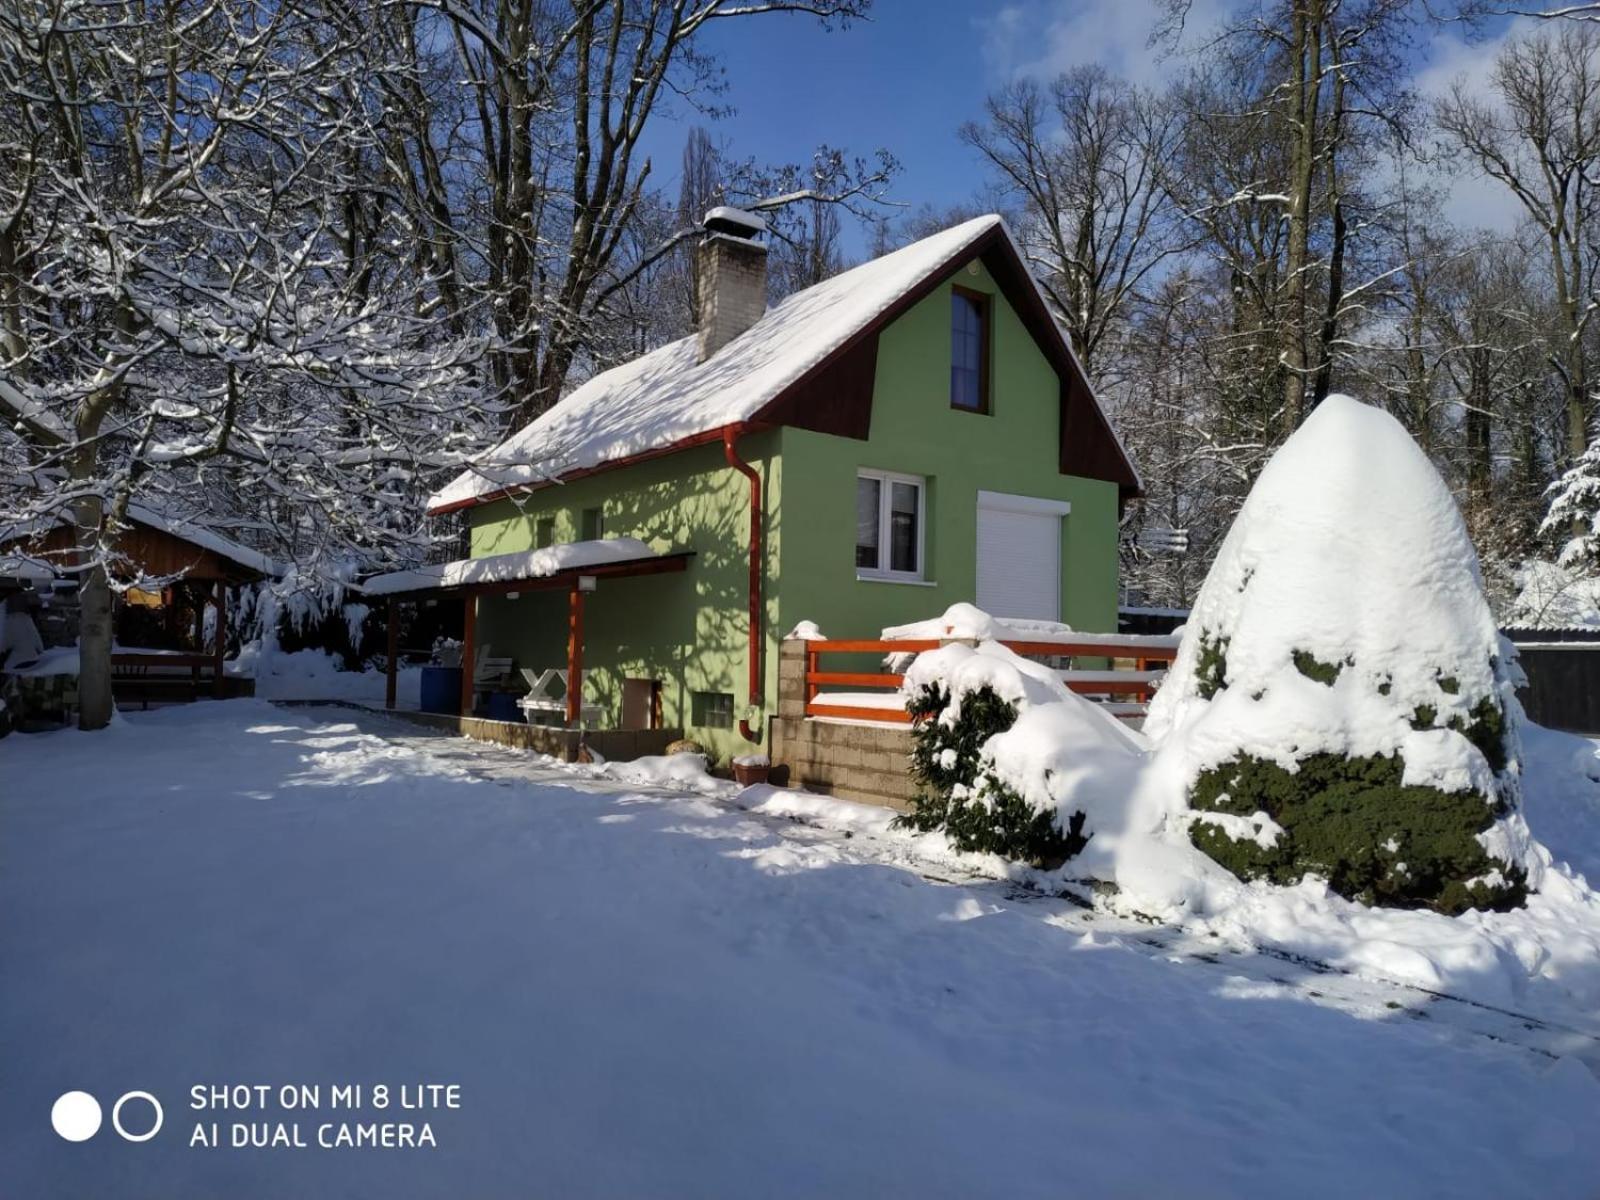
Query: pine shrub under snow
[
  {"x": 1342, "y": 705},
  {"x": 1010, "y": 762}
]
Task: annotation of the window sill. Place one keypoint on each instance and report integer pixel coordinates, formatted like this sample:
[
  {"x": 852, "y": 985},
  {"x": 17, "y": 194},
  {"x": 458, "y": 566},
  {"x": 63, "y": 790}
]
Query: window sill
[{"x": 873, "y": 577}]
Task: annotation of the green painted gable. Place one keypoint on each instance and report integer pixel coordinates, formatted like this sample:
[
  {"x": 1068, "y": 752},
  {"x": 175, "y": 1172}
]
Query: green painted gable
[{"x": 1014, "y": 448}]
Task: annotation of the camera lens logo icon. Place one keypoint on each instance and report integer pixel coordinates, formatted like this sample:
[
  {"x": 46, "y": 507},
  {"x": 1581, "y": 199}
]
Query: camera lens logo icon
[{"x": 76, "y": 1116}]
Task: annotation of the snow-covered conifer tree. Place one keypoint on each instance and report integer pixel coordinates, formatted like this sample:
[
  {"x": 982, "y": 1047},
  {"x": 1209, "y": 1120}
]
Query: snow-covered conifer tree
[{"x": 1341, "y": 705}]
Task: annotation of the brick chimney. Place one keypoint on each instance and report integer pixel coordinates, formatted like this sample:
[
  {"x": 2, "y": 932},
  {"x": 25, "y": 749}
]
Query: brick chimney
[{"x": 730, "y": 276}]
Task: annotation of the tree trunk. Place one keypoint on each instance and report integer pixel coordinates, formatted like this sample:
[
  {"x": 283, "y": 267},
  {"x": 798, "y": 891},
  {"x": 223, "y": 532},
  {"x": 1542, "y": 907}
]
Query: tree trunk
[
  {"x": 1480, "y": 461},
  {"x": 1304, "y": 84},
  {"x": 95, "y": 705}
]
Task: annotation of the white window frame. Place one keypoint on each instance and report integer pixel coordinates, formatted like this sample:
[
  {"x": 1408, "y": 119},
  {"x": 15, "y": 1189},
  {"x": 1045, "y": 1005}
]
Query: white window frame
[{"x": 882, "y": 574}]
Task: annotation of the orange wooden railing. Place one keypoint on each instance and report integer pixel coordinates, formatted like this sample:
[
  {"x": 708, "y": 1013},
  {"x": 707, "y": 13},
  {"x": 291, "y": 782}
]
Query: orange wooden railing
[{"x": 1150, "y": 655}]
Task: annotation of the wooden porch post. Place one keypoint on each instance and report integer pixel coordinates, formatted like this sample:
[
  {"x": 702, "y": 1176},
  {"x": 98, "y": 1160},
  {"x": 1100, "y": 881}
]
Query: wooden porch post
[
  {"x": 574, "y": 655},
  {"x": 394, "y": 643},
  {"x": 221, "y": 639},
  {"x": 469, "y": 650}
]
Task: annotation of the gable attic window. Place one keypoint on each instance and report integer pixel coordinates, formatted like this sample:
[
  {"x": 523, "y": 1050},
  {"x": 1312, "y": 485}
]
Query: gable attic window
[
  {"x": 969, "y": 350},
  {"x": 890, "y": 514}
]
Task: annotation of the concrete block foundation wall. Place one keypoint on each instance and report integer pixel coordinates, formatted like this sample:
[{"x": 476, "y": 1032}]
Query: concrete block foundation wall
[{"x": 868, "y": 763}]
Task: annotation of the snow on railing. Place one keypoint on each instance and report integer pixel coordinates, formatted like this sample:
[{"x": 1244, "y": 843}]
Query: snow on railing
[{"x": 1126, "y": 691}]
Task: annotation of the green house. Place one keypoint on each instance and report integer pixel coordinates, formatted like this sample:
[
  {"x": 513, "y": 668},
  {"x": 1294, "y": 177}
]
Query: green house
[{"x": 911, "y": 433}]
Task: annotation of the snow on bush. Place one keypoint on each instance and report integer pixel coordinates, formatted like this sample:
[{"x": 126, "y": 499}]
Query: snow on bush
[
  {"x": 1010, "y": 761},
  {"x": 1341, "y": 705}
]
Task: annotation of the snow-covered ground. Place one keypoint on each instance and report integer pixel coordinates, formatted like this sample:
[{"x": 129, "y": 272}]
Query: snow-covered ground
[
  {"x": 649, "y": 992},
  {"x": 317, "y": 675}
]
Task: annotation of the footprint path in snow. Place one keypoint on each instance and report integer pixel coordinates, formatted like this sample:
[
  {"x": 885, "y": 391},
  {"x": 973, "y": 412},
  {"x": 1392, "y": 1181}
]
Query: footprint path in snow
[{"x": 1256, "y": 970}]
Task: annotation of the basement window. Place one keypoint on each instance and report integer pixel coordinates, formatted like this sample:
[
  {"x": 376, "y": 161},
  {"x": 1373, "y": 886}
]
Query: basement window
[
  {"x": 712, "y": 710},
  {"x": 890, "y": 514}
]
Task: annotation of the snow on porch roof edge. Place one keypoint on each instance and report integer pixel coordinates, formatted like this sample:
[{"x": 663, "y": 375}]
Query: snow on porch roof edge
[{"x": 521, "y": 566}]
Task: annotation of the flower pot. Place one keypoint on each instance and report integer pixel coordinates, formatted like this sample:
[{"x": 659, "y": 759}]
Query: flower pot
[{"x": 750, "y": 774}]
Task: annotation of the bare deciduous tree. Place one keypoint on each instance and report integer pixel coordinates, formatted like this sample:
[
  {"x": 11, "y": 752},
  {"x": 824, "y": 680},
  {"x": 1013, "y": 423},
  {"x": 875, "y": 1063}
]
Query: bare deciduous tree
[
  {"x": 1539, "y": 136},
  {"x": 1081, "y": 159}
]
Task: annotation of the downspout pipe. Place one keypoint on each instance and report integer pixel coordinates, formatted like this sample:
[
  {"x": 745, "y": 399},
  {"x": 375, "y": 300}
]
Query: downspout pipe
[{"x": 730, "y": 449}]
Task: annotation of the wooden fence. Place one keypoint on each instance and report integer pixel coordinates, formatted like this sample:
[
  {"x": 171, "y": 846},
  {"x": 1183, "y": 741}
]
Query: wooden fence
[{"x": 1126, "y": 691}]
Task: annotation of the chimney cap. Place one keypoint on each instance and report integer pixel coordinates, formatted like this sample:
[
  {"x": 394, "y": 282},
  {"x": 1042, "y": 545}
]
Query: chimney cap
[{"x": 727, "y": 219}]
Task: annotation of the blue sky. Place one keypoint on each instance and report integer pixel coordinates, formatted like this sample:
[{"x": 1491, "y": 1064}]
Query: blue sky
[
  {"x": 904, "y": 81},
  {"x": 908, "y": 78}
]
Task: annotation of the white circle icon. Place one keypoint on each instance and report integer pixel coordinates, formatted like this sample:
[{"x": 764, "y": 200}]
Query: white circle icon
[
  {"x": 76, "y": 1116},
  {"x": 116, "y": 1116}
]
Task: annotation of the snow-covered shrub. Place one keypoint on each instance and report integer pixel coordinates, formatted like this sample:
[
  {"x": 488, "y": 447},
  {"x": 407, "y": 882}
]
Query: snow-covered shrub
[
  {"x": 1342, "y": 705},
  {"x": 1010, "y": 761},
  {"x": 975, "y": 812}
]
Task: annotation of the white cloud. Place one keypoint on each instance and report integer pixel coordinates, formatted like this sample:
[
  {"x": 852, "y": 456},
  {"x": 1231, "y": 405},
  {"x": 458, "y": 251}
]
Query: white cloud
[
  {"x": 1472, "y": 200},
  {"x": 1041, "y": 38}
]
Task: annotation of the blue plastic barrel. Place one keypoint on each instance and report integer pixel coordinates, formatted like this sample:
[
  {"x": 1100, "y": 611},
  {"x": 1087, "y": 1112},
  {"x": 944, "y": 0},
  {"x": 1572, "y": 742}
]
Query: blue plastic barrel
[
  {"x": 503, "y": 707},
  {"x": 441, "y": 689}
]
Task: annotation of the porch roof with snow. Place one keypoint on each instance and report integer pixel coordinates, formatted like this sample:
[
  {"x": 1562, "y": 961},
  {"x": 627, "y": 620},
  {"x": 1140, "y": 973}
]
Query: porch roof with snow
[
  {"x": 806, "y": 362},
  {"x": 550, "y": 567}
]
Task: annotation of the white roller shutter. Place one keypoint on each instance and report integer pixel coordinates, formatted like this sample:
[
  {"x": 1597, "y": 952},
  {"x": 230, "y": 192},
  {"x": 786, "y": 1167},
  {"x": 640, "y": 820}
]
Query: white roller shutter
[{"x": 1019, "y": 556}]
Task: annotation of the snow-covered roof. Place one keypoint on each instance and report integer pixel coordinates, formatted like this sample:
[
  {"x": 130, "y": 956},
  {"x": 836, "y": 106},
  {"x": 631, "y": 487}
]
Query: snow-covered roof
[
  {"x": 182, "y": 527},
  {"x": 667, "y": 397},
  {"x": 508, "y": 568}
]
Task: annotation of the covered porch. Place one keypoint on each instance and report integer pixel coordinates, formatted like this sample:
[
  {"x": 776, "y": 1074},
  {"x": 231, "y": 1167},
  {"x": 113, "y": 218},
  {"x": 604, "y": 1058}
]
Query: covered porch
[{"x": 540, "y": 704}]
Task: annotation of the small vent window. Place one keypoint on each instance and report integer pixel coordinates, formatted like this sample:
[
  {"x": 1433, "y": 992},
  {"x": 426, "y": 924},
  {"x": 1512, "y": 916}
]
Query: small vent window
[{"x": 712, "y": 710}]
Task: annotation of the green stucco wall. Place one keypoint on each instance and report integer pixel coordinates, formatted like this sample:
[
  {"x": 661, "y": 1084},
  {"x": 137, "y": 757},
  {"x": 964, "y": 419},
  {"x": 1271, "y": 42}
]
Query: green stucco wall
[
  {"x": 689, "y": 630},
  {"x": 1014, "y": 448}
]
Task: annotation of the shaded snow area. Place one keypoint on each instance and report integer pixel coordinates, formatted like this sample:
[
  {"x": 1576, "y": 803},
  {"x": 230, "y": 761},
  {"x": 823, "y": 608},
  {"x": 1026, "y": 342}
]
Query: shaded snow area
[
  {"x": 649, "y": 992},
  {"x": 317, "y": 675},
  {"x": 1064, "y": 754}
]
